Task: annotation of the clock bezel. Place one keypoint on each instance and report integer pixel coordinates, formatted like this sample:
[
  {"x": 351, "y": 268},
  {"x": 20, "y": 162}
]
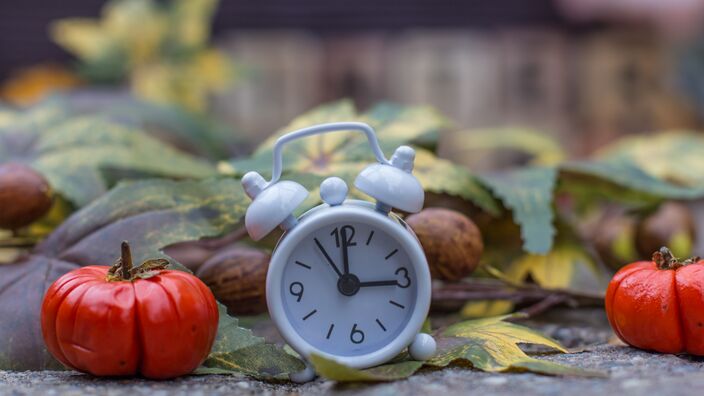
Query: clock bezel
[{"x": 352, "y": 211}]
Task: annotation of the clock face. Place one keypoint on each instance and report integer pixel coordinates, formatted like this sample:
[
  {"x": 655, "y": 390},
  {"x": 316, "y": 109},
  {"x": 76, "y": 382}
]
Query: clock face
[{"x": 348, "y": 289}]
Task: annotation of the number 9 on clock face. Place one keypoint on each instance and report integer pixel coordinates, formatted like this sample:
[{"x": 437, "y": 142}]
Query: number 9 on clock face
[{"x": 348, "y": 288}]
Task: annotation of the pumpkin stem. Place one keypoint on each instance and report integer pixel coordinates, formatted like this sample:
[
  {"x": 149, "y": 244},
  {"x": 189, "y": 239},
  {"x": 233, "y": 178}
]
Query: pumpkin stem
[
  {"x": 664, "y": 259},
  {"x": 123, "y": 269},
  {"x": 126, "y": 258}
]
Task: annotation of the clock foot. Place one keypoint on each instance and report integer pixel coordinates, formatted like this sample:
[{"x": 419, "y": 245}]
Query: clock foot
[
  {"x": 423, "y": 347},
  {"x": 303, "y": 376}
]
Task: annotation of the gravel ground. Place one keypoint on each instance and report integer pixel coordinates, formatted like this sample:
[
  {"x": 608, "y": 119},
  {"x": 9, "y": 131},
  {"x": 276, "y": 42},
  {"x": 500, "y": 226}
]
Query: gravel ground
[{"x": 630, "y": 372}]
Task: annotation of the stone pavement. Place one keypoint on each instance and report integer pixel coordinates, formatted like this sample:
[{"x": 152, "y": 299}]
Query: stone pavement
[{"x": 631, "y": 372}]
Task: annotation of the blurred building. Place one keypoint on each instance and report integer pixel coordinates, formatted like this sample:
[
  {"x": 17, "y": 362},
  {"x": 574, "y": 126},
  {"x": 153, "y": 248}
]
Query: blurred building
[{"x": 583, "y": 75}]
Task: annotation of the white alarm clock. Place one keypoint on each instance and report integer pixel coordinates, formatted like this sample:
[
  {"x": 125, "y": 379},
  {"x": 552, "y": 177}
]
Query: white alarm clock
[{"x": 348, "y": 280}]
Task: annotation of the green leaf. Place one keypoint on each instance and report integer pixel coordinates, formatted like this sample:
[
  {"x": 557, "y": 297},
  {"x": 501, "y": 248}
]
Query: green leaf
[
  {"x": 150, "y": 214},
  {"x": 193, "y": 132},
  {"x": 675, "y": 156},
  {"x": 529, "y": 194},
  {"x": 491, "y": 344},
  {"x": 345, "y": 154},
  {"x": 476, "y": 145},
  {"x": 73, "y": 154},
  {"x": 333, "y": 370},
  {"x": 629, "y": 176},
  {"x": 238, "y": 350},
  {"x": 439, "y": 175}
]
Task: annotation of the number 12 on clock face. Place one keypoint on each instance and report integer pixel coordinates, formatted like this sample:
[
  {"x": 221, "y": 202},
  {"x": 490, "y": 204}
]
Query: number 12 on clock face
[{"x": 348, "y": 289}]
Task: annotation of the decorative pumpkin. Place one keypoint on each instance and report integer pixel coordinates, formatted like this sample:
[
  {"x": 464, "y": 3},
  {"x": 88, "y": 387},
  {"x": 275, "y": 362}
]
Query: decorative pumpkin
[
  {"x": 124, "y": 321},
  {"x": 658, "y": 305}
]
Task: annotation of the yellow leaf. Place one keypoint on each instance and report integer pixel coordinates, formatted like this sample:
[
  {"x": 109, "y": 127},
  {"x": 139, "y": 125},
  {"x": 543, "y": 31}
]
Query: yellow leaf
[
  {"x": 566, "y": 266},
  {"x": 486, "y": 308},
  {"x": 542, "y": 150},
  {"x": 333, "y": 370},
  {"x": 491, "y": 344},
  {"x": 138, "y": 26},
  {"x": 84, "y": 38},
  {"x": 191, "y": 22}
]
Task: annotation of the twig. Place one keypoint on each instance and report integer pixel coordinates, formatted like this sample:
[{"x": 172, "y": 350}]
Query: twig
[
  {"x": 451, "y": 296},
  {"x": 544, "y": 305}
]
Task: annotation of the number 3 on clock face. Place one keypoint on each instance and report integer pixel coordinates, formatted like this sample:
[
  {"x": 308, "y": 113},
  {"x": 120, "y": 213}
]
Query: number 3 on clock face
[{"x": 348, "y": 288}]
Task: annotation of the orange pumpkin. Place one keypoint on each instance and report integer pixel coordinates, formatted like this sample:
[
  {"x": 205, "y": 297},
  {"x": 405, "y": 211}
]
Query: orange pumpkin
[{"x": 658, "y": 305}]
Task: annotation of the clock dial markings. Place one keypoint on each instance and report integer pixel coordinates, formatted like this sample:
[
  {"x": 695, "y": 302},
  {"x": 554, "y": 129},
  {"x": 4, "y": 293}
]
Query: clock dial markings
[
  {"x": 349, "y": 330},
  {"x": 296, "y": 289},
  {"x": 392, "y": 302},
  {"x": 304, "y": 265},
  {"x": 407, "y": 280},
  {"x": 388, "y": 256},
  {"x": 371, "y": 234},
  {"x": 356, "y": 335},
  {"x": 380, "y": 324},
  {"x": 311, "y": 313}
]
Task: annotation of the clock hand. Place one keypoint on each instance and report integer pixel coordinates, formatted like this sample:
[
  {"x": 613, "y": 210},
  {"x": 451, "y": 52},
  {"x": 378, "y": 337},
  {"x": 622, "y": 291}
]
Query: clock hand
[
  {"x": 345, "y": 256},
  {"x": 327, "y": 257},
  {"x": 378, "y": 283}
]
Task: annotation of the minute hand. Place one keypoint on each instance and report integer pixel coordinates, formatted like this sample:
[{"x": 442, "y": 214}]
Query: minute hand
[
  {"x": 378, "y": 283},
  {"x": 327, "y": 257}
]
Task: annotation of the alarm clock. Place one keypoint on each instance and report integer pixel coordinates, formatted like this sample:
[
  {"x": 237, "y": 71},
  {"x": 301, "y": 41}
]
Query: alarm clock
[{"x": 348, "y": 280}]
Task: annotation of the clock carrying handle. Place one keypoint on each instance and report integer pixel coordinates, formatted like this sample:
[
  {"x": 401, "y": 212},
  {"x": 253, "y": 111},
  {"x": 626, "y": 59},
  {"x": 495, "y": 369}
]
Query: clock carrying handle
[{"x": 319, "y": 130}]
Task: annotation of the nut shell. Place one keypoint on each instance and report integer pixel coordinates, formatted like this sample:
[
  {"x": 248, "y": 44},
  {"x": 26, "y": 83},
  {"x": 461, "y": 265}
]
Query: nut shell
[
  {"x": 672, "y": 225},
  {"x": 614, "y": 239},
  {"x": 25, "y": 196},
  {"x": 452, "y": 242},
  {"x": 237, "y": 277}
]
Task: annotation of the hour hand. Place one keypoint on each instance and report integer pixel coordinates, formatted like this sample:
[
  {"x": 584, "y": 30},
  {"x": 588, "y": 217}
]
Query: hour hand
[
  {"x": 327, "y": 257},
  {"x": 378, "y": 283}
]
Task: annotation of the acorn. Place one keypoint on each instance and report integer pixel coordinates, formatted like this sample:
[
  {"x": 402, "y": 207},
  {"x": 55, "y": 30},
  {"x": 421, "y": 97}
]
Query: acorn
[
  {"x": 452, "y": 242},
  {"x": 672, "y": 225},
  {"x": 25, "y": 196},
  {"x": 237, "y": 278}
]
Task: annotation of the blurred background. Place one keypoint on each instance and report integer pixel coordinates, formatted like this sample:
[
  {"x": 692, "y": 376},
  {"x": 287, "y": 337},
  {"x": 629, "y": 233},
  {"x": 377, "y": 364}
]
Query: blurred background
[{"x": 584, "y": 72}]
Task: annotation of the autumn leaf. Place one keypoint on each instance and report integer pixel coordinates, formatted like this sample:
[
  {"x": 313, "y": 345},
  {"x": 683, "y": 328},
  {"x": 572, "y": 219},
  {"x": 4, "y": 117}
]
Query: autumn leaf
[
  {"x": 238, "y": 350},
  {"x": 567, "y": 266},
  {"x": 150, "y": 214},
  {"x": 628, "y": 178},
  {"x": 74, "y": 152},
  {"x": 491, "y": 344},
  {"x": 486, "y": 308},
  {"x": 473, "y": 146},
  {"x": 333, "y": 370},
  {"x": 528, "y": 193},
  {"x": 162, "y": 49},
  {"x": 345, "y": 154},
  {"x": 189, "y": 131},
  {"x": 675, "y": 157}
]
